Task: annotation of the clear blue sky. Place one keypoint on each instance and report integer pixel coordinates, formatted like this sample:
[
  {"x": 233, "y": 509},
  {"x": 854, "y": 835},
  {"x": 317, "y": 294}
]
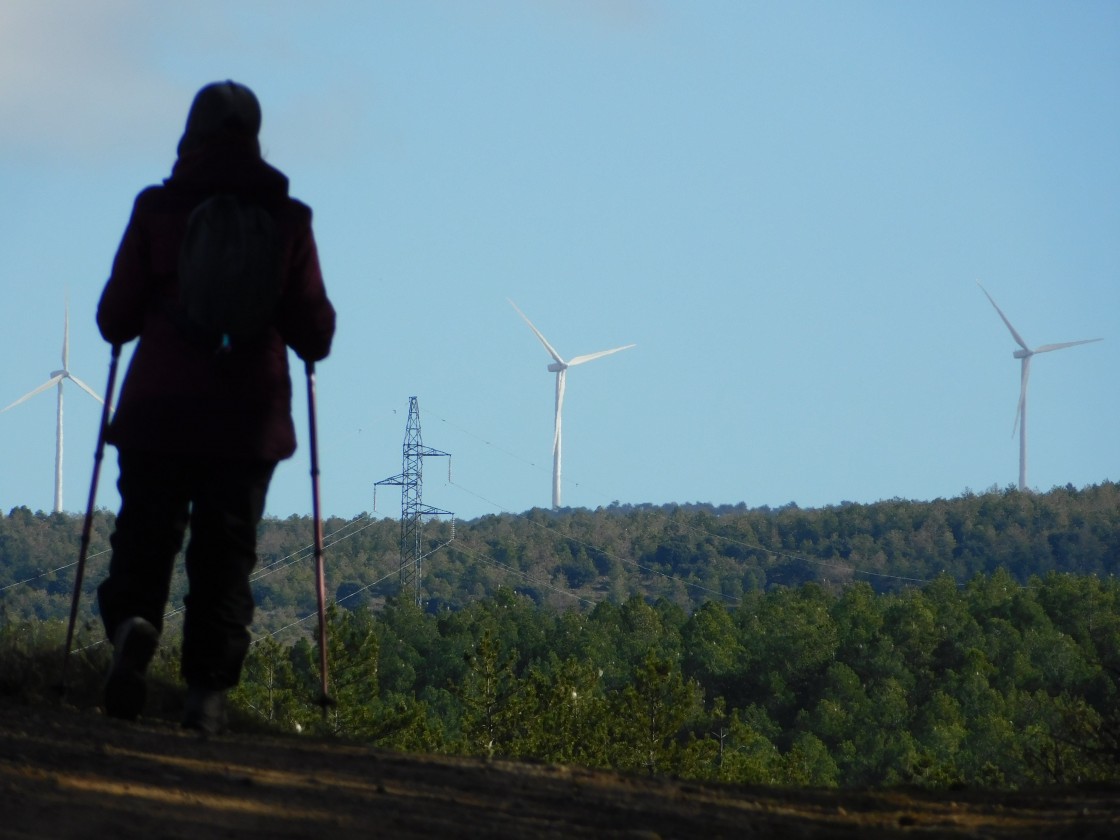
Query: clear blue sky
[{"x": 786, "y": 206}]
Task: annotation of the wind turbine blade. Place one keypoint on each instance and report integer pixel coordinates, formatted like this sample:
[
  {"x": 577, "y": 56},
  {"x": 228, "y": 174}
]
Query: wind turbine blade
[
  {"x": 66, "y": 337},
  {"x": 86, "y": 388},
  {"x": 551, "y": 350},
  {"x": 1046, "y": 348},
  {"x": 54, "y": 380},
  {"x": 1014, "y": 333},
  {"x": 579, "y": 360}
]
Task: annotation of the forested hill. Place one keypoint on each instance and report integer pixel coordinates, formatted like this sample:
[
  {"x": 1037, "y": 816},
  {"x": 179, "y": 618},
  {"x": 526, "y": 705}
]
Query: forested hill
[{"x": 575, "y": 558}]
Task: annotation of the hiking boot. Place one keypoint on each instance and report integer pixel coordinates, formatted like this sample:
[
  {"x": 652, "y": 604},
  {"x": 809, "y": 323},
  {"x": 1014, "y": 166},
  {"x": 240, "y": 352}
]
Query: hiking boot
[
  {"x": 134, "y": 645},
  {"x": 205, "y": 711}
]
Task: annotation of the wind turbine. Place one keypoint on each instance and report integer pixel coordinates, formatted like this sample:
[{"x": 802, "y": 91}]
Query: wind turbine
[
  {"x": 1025, "y": 355},
  {"x": 56, "y": 379},
  {"x": 560, "y": 368}
]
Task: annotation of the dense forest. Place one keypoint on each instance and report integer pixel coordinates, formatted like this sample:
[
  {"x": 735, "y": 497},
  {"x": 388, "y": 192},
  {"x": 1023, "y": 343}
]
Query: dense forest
[
  {"x": 576, "y": 558},
  {"x": 972, "y": 641},
  {"x": 992, "y": 684}
]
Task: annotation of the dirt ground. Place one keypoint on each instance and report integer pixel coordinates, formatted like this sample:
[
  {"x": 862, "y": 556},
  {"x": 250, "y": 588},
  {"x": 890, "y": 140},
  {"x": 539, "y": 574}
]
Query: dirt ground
[{"x": 66, "y": 773}]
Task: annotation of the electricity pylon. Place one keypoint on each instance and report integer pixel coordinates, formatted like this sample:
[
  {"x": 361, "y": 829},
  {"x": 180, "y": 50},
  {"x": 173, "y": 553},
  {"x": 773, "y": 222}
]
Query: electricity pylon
[{"x": 413, "y": 509}]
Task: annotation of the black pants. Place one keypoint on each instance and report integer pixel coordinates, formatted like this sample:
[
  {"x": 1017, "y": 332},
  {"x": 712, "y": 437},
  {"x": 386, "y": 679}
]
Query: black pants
[{"x": 222, "y": 501}]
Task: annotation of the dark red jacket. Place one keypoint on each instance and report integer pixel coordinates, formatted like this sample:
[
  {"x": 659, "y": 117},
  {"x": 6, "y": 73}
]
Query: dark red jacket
[{"x": 177, "y": 397}]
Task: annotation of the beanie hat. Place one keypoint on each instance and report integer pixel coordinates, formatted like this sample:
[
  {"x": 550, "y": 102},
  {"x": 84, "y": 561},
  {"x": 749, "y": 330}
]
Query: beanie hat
[{"x": 221, "y": 108}]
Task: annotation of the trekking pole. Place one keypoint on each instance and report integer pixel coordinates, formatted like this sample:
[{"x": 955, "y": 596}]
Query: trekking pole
[
  {"x": 87, "y": 527},
  {"x": 320, "y": 583}
]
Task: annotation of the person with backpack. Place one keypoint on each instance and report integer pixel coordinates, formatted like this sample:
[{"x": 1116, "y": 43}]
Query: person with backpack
[{"x": 217, "y": 275}]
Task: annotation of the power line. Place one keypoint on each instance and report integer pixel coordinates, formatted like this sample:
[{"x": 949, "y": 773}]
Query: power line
[
  {"x": 308, "y": 550},
  {"x": 789, "y": 556},
  {"x": 340, "y": 534},
  {"x": 525, "y": 575},
  {"x": 776, "y": 553},
  {"x": 50, "y": 572},
  {"x": 275, "y": 633},
  {"x": 633, "y": 563}
]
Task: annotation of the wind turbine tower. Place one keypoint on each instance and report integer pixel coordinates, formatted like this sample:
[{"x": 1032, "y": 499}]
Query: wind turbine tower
[
  {"x": 413, "y": 509},
  {"x": 1024, "y": 355},
  {"x": 57, "y": 378},
  {"x": 560, "y": 368}
]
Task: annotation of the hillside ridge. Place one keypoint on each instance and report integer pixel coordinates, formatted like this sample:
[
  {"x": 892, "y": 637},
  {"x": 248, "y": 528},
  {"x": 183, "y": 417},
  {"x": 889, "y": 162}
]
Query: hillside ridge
[{"x": 66, "y": 773}]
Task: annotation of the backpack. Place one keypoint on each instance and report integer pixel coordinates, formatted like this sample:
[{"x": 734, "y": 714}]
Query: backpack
[{"x": 229, "y": 273}]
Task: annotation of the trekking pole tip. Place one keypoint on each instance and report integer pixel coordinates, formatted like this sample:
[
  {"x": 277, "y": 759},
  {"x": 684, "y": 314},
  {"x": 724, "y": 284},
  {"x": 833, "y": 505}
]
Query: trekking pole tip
[{"x": 326, "y": 702}]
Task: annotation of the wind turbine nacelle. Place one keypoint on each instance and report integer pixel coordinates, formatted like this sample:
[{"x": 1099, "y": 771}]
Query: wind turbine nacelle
[
  {"x": 1022, "y": 354},
  {"x": 556, "y": 367}
]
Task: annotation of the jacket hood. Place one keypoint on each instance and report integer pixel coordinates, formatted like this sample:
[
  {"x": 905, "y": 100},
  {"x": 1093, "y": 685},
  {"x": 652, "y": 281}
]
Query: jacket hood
[{"x": 228, "y": 164}]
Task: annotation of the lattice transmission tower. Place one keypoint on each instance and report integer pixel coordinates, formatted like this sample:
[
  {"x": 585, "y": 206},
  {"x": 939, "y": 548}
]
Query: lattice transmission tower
[{"x": 413, "y": 509}]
